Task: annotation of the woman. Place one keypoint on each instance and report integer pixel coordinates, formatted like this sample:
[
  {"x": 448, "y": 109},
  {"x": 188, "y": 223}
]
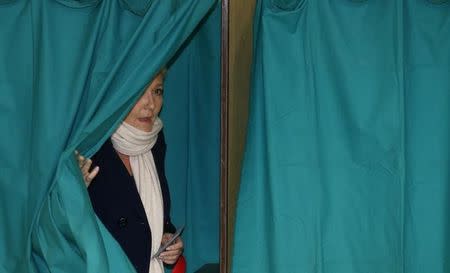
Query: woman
[{"x": 128, "y": 188}]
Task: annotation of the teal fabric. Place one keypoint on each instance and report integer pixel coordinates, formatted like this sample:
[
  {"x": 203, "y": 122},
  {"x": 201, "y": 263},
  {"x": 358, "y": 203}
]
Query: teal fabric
[
  {"x": 191, "y": 118},
  {"x": 346, "y": 166},
  {"x": 69, "y": 72}
]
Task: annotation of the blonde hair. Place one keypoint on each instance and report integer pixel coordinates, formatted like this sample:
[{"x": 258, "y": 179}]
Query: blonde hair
[{"x": 162, "y": 72}]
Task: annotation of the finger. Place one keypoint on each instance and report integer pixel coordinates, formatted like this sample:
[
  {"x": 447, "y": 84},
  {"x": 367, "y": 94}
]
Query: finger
[
  {"x": 81, "y": 160},
  {"x": 170, "y": 254},
  {"x": 86, "y": 182},
  {"x": 170, "y": 260},
  {"x": 92, "y": 174},
  {"x": 86, "y": 167},
  {"x": 177, "y": 245}
]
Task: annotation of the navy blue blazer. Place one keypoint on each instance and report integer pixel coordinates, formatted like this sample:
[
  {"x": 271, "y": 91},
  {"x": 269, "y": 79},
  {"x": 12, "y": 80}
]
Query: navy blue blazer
[{"x": 117, "y": 203}]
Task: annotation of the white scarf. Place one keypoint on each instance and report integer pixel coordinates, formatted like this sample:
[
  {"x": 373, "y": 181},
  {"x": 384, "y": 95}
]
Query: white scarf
[{"x": 137, "y": 145}]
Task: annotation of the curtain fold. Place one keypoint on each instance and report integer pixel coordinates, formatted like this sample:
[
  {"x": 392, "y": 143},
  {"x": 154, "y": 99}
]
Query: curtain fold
[
  {"x": 346, "y": 163},
  {"x": 191, "y": 118},
  {"x": 69, "y": 72},
  {"x": 287, "y": 4}
]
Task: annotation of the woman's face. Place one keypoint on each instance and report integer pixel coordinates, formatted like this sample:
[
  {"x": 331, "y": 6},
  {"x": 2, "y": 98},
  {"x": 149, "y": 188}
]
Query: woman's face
[{"x": 145, "y": 111}]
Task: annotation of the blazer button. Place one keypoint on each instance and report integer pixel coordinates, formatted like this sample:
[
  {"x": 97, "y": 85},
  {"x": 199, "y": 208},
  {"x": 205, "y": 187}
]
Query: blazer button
[{"x": 122, "y": 222}]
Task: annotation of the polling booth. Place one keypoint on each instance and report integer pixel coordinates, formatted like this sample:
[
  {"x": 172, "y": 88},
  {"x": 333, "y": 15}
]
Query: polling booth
[{"x": 302, "y": 135}]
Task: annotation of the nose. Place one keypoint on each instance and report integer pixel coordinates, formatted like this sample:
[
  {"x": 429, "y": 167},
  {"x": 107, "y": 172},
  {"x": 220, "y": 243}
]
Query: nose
[{"x": 150, "y": 100}]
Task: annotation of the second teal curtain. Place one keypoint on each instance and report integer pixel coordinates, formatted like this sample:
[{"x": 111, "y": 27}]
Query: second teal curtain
[{"x": 346, "y": 167}]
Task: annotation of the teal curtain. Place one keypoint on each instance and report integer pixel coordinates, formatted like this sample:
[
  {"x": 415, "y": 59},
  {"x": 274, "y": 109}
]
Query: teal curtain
[
  {"x": 346, "y": 167},
  {"x": 191, "y": 116},
  {"x": 69, "y": 72}
]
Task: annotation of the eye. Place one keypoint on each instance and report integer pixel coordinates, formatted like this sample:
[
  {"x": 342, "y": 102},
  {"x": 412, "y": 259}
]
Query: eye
[{"x": 158, "y": 91}]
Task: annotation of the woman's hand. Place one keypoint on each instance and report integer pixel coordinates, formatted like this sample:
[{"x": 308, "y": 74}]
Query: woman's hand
[
  {"x": 173, "y": 252},
  {"x": 85, "y": 165}
]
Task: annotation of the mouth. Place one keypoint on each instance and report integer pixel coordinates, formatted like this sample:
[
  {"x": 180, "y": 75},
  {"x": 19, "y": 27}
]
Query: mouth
[{"x": 145, "y": 120}]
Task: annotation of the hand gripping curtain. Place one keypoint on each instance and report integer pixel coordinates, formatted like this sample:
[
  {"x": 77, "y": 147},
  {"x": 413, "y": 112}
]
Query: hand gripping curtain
[
  {"x": 346, "y": 167},
  {"x": 69, "y": 72}
]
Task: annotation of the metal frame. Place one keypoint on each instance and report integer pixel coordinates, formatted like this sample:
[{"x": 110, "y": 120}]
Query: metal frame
[{"x": 224, "y": 93}]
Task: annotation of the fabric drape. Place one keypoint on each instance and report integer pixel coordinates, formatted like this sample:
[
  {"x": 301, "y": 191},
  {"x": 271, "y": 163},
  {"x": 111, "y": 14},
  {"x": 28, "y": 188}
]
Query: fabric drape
[
  {"x": 191, "y": 115},
  {"x": 346, "y": 166},
  {"x": 69, "y": 72}
]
